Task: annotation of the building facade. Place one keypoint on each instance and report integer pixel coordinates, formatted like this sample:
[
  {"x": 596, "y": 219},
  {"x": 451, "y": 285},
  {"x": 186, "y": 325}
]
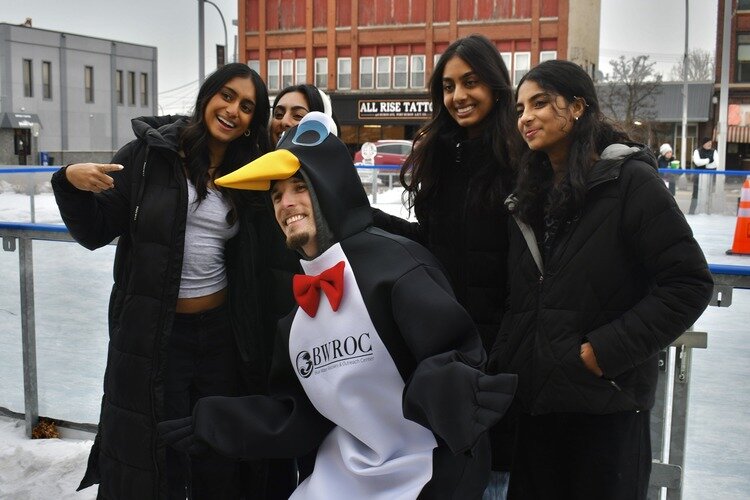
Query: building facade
[
  {"x": 375, "y": 57},
  {"x": 70, "y": 96},
  {"x": 738, "y": 116}
]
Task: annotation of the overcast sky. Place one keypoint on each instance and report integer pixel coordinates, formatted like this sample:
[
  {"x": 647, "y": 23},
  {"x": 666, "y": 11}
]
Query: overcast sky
[{"x": 628, "y": 27}]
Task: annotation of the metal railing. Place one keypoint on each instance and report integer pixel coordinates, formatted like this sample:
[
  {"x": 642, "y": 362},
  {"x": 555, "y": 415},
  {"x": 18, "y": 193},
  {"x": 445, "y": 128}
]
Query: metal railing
[{"x": 673, "y": 389}]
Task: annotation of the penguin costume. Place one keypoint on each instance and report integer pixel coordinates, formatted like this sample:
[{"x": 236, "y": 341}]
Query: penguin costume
[{"x": 379, "y": 367}]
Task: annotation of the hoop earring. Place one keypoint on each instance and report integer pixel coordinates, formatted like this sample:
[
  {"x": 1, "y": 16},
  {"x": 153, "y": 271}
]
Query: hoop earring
[{"x": 247, "y": 132}]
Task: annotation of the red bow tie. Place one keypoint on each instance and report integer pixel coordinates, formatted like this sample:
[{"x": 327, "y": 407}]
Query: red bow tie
[{"x": 307, "y": 289}]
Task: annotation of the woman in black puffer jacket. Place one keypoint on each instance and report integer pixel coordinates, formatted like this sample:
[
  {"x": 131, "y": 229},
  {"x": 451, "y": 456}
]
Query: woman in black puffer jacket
[
  {"x": 457, "y": 177},
  {"x": 603, "y": 273},
  {"x": 191, "y": 311}
]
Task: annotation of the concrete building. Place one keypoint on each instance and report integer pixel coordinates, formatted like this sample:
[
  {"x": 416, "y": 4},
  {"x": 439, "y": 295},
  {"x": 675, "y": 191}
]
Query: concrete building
[
  {"x": 375, "y": 57},
  {"x": 70, "y": 96}
]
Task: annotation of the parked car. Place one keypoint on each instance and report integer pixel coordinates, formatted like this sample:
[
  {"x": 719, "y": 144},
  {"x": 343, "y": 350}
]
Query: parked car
[{"x": 388, "y": 152}]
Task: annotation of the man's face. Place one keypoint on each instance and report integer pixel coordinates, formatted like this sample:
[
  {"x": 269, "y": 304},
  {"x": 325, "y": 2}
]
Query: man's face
[{"x": 294, "y": 213}]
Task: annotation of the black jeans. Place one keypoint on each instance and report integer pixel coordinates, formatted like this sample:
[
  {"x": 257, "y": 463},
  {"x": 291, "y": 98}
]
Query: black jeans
[
  {"x": 201, "y": 361},
  {"x": 578, "y": 456}
]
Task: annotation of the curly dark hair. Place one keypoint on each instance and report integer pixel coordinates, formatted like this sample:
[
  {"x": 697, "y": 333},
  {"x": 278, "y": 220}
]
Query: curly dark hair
[
  {"x": 420, "y": 174},
  {"x": 588, "y": 138},
  {"x": 195, "y": 136}
]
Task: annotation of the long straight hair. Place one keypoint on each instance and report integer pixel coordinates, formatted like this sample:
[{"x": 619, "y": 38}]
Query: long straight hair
[
  {"x": 195, "y": 136},
  {"x": 589, "y": 135},
  {"x": 420, "y": 174}
]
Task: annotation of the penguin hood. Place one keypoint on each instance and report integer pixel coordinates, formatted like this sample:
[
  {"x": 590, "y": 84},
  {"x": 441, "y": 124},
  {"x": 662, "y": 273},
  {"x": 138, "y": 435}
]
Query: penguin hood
[{"x": 312, "y": 150}]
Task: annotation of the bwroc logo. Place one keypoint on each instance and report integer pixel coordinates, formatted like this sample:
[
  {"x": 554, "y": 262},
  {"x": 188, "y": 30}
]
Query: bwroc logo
[{"x": 350, "y": 350}]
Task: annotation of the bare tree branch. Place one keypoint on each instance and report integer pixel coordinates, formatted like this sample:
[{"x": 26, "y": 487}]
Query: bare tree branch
[{"x": 700, "y": 67}]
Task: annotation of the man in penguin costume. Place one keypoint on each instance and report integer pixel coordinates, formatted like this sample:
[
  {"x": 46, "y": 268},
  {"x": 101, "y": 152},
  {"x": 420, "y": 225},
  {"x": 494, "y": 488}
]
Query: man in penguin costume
[{"x": 379, "y": 367}]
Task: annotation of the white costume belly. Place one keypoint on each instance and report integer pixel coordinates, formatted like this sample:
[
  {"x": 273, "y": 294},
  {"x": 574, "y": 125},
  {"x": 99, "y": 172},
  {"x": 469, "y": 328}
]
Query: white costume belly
[{"x": 351, "y": 379}]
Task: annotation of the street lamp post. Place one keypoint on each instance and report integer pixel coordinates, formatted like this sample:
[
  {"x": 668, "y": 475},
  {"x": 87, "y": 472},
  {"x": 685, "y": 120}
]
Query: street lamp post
[{"x": 201, "y": 40}]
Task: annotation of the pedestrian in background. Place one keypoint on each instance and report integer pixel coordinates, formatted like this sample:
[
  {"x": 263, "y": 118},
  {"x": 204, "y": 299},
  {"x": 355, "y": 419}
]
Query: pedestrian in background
[
  {"x": 665, "y": 160},
  {"x": 457, "y": 177},
  {"x": 604, "y": 272},
  {"x": 190, "y": 312},
  {"x": 704, "y": 158}
]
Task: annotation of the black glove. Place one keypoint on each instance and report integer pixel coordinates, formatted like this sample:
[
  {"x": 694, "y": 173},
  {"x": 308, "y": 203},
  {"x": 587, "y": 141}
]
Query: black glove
[
  {"x": 179, "y": 435},
  {"x": 494, "y": 395}
]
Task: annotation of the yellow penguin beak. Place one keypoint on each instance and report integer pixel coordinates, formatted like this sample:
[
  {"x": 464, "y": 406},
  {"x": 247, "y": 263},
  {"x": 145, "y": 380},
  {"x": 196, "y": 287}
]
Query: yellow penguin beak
[{"x": 258, "y": 174}]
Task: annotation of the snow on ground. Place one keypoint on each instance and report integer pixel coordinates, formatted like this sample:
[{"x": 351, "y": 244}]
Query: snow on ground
[
  {"x": 40, "y": 469},
  {"x": 71, "y": 293}
]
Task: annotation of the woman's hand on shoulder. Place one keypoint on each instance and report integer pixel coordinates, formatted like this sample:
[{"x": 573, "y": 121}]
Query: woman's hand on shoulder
[{"x": 91, "y": 176}]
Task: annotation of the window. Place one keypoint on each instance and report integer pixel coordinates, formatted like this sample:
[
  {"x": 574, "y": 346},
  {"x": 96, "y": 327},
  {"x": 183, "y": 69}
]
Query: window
[
  {"x": 144, "y": 89},
  {"x": 400, "y": 72},
  {"x": 321, "y": 72},
  {"x": 88, "y": 83},
  {"x": 506, "y": 59},
  {"x": 344, "y": 73},
  {"x": 287, "y": 73},
  {"x": 521, "y": 65},
  {"x": 366, "y": 72},
  {"x": 28, "y": 79},
  {"x": 300, "y": 71},
  {"x": 384, "y": 72},
  {"x": 131, "y": 88},
  {"x": 273, "y": 74},
  {"x": 743, "y": 57},
  {"x": 743, "y": 4},
  {"x": 46, "y": 80},
  {"x": 254, "y": 65},
  {"x": 118, "y": 87},
  {"x": 547, "y": 55},
  {"x": 435, "y": 59},
  {"x": 417, "y": 72}
]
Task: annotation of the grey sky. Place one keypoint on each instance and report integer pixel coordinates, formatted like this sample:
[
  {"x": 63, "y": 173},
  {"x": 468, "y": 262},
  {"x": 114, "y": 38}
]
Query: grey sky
[{"x": 628, "y": 27}]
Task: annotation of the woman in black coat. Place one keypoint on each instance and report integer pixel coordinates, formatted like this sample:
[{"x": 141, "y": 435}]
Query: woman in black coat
[
  {"x": 603, "y": 273},
  {"x": 458, "y": 175},
  {"x": 191, "y": 311}
]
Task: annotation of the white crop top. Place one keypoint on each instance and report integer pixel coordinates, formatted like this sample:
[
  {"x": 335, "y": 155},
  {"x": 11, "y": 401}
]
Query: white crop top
[{"x": 206, "y": 233}]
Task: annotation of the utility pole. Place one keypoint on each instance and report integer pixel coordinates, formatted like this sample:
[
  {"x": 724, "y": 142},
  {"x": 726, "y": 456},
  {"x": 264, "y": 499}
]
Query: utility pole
[
  {"x": 723, "y": 105},
  {"x": 201, "y": 49},
  {"x": 683, "y": 145}
]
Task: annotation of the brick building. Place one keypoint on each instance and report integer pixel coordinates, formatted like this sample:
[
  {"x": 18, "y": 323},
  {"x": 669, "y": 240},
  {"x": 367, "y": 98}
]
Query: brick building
[
  {"x": 738, "y": 116},
  {"x": 375, "y": 57}
]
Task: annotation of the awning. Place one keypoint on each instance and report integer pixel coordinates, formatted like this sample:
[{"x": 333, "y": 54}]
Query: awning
[
  {"x": 738, "y": 133},
  {"x": 19, "y": 120}
]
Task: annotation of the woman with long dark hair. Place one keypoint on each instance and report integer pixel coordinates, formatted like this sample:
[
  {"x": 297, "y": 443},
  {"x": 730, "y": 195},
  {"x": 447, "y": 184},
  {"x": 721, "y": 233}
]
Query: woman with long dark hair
[
  {"x": 603, "y": 273},
  {"x": 458, "y": 175},
  {"x": 189, "y": 312}
]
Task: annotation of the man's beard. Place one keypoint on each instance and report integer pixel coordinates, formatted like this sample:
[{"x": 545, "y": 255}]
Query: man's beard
[{"x": 297, "y": 241}]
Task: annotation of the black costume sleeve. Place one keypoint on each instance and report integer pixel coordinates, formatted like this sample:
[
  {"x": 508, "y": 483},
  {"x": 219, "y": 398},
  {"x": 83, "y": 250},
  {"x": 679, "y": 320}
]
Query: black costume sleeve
[
  {"x": 447, "y": 393},
  {"x": 95, "y": 219},
  {"x": 282, "y": 425},
  {"x": 396, "y": 225},
  {"x": 658, "y": 234}
]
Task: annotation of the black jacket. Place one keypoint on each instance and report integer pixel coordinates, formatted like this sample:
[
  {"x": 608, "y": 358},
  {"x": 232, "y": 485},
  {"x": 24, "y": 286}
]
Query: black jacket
[
  {"x": 470, "y": 241},
  {"x": 147, "y": 210},
  {"x": 625, "y": 275}
]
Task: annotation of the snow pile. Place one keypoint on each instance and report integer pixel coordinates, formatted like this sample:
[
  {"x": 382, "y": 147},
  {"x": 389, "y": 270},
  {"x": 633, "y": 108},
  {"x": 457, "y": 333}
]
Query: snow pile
[{"x": 40, "y": 468}]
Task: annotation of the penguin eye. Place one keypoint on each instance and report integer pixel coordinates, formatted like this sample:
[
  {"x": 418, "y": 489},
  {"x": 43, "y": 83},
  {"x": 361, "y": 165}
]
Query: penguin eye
[{"x": 310, "y": 133}]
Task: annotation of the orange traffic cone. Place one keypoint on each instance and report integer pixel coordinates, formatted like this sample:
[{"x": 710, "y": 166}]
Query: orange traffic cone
[{"x": 741, "y": 245}]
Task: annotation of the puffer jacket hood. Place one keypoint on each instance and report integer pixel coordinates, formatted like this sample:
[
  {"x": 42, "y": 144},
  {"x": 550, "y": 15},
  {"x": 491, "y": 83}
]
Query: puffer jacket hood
[
  {"x": 160, "y": 131},
  {"x": 614, "y": 157}
]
